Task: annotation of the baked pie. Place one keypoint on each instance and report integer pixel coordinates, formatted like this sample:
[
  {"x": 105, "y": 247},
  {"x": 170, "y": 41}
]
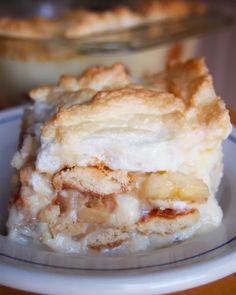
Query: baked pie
[
  {"x": 78, "y": 23},
  {"x": 108, "y": 164}
]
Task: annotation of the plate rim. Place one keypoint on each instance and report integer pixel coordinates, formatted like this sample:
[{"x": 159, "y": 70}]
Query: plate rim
[{"x": 222, "y": 266}]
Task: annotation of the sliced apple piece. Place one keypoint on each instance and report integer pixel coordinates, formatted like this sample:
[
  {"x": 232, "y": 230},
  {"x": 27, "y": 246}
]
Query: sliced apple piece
[{"x": 174, "y": 186}]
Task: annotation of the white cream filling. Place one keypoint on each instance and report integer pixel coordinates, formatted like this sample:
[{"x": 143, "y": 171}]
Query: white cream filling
[
  {"x": 63, "y": 243},
  {"x": 127, "y": 211},
  {"x": 173, "y": 204},
  {"x": 41, "y": 184},
  {"x": 152, "y": 156}
]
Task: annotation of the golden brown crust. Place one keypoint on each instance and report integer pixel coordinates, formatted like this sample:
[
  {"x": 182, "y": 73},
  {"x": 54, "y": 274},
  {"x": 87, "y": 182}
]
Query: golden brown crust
[
  {"x": 183, "y": 95},
  {"x": 105, "y": 105},
  {"x": 95, "y": 78},
  {"x": 89, "y": 22},
  {"x": 28, "y": 28},
  {"x": 192, "y": 82},
  {"x": 184, "y": 80},
  {"x": 159, "y": 10},
  {"x": 79, "y": 23}
]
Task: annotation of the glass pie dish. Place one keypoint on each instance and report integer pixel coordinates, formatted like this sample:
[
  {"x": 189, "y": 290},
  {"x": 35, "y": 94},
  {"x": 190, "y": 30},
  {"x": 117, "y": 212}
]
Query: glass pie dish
[{"x": 27, "y": 61}]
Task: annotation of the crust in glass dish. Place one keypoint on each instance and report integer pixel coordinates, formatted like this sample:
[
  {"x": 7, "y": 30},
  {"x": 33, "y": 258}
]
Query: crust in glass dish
[{"x": 79, "y": 23}]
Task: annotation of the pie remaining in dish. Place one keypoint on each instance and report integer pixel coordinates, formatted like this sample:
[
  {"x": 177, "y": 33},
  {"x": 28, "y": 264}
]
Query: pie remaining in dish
[
  {"x": 104, "y": 163},
  {"x": 81, "y": 22},
  {"x": 62, "y": 44}
]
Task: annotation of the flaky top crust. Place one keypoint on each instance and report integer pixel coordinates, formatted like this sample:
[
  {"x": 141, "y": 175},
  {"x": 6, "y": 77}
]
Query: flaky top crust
[
  {"x": 128, "y": 105},
  {"x": 80, "y": 23},
  {"x": 182, "y": 96},
  {"x": 96, "y": 78}
]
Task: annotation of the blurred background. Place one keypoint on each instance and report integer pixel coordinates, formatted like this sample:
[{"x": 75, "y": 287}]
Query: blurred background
[
  {"x": 219, "y": 50},
  {"x": 30, "y": 62}
]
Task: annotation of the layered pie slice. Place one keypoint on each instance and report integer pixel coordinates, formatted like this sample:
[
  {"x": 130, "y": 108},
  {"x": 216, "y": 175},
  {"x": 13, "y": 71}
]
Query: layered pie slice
[{"x": 107, "y": 164}]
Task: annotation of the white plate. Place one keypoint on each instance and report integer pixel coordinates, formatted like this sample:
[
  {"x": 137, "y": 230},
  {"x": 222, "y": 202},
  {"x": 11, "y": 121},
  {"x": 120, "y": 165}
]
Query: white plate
[{"x": 194, "y": 262}]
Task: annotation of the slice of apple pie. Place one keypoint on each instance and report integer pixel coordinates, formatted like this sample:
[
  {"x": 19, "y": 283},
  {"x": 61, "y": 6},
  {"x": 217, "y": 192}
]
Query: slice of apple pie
[{"x": 106, "y": 164}]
